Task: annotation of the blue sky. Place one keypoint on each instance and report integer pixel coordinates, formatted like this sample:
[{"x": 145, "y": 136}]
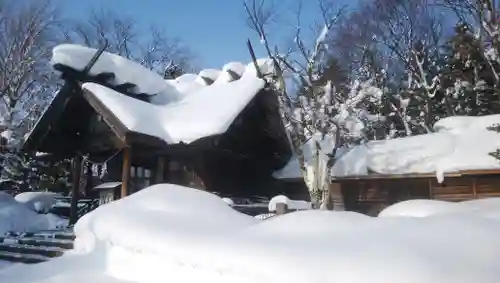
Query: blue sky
[{"x": 215, "y": 30}]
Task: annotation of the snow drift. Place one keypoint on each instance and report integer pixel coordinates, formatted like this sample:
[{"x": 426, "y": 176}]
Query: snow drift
[
  {"x": 488, "y": 208},
  {"x": 169, "y": 232},
  {"x": 16, "y": 216}
]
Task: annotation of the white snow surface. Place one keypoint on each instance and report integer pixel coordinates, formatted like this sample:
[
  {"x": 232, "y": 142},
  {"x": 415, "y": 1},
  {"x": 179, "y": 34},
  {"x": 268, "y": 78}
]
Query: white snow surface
[
  {"x": 488, "y": 207},
  {"x": 458, "y": 143},
  {"x": 40, "y": 202},
  {"x": 178, "y": 234},
  {"x": 291, "y": 204},
  {"x": 18, "y": 217}
]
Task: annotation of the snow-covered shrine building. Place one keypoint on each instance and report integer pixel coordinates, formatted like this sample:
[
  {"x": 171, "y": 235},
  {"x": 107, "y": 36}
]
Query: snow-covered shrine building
[
  {"x": 454, "y": 163},
  {"x": 219, "y": 130}
]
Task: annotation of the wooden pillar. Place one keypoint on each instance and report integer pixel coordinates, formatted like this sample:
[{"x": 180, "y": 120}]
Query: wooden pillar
[
  {"x": 431, "y": 191},
  {"x": 337, "y": 196},
  {"x": 160, "y": 170},
  {"x": 75, "y": 188},
  {"x": 474, "y": 187},
  {"x": 89, "y": 176},
  {"x": 126, "y": 164}
]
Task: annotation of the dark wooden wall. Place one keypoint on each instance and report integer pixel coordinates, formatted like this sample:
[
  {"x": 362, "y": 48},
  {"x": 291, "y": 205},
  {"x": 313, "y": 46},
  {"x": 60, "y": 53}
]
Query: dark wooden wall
[{"x": 371, "y": 196}]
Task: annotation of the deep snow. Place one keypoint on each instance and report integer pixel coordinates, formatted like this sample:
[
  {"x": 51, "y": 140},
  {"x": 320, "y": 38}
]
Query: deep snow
[
  {"x": 21, "y": 217},
  {"x": 173, "y": 233}
]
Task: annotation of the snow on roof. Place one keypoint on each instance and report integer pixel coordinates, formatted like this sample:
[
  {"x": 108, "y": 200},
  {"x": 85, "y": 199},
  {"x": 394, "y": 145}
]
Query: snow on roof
[
  {"x": 180, "y": 110},
  {"x": 205, "y": 112},
  {"x": 126, "y": 71},
  {"x": 107, "y": 185},
  {"x": 147, "y": 81},
  {"x": 459, "y": 143}
]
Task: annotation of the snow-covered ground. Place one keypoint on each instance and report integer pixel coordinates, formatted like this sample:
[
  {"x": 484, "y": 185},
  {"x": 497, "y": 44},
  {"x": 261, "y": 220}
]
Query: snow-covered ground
[
  {"x": 20, "y": 216},
  {"x": 177, "y": 234}
]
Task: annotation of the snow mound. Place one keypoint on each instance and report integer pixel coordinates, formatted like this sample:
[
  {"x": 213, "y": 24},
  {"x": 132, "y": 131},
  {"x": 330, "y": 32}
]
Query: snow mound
[
  {"x": 40, "y": 202},
  {"x": 228, "y": 201},
  {"x": 190, "y": 235},
  {"x": 417, "y": 208},
  {"x": 459, "y": 143},
  {"x": 184, "y": 209},
  {"x": 18, "y": 217},
  {"x": 488, "y": 208},
  {"x": 291, "y": 204}
]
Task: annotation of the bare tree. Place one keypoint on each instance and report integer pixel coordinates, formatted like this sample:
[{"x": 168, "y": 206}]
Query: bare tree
[
  {"x": 27, "y": 33},
  {"x": 28, "y": 30},
  {"x": 407, "y": 37},
  {"x": 319, "y": 113},
  {"x": 152, "y": 47}
]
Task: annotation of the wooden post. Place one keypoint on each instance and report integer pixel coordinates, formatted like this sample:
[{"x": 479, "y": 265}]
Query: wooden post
[
  {"x": 160, "y": 170},
  {"x": 281, "y": 208},
  {"x": 336, "y": 196},
  {"x": 431, "y": 191},
  {"x": 474, "y": 187},
  {"x": 126, "y": 164},
  {"x": 75, "y": 189},
  {"x": 89, "y": 183}
]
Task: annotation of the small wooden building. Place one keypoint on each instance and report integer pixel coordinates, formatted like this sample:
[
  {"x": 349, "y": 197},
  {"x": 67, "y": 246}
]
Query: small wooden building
[
  {"x": 79, "y": 125},
  {"x": 369, "y": 177},
  {"x": 371, "y": 194}
]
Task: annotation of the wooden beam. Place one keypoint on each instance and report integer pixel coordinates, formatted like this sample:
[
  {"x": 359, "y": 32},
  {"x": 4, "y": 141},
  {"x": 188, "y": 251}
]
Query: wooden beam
[
  {"x": 75, "y": 189},
  {"x": 160, "y": 170},
  {"x": 126, "y": 163}
]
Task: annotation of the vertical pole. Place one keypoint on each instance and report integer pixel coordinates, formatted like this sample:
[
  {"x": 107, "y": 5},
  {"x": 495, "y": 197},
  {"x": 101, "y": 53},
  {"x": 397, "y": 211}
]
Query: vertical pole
[
  {"x": 75, "y": 189},
  {"x": 431, "y": 191},
  {"x": 88, "y": 175},
  {"x": 474, "y": 187},
  {"x": 281, "y": 208},
  {"x": 254, "y": 59},
  {"x": 160, "y": 170},
  {"x": 126, "y": 171}
]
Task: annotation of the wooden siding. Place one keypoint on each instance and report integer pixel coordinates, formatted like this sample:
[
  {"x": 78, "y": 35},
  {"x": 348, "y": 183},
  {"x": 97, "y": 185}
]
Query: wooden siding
[{"x": 370, "y": 196}]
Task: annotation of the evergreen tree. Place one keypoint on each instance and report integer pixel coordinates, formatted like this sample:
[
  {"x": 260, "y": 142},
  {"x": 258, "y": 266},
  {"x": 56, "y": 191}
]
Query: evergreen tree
[{"x": 468, "y": 81}]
